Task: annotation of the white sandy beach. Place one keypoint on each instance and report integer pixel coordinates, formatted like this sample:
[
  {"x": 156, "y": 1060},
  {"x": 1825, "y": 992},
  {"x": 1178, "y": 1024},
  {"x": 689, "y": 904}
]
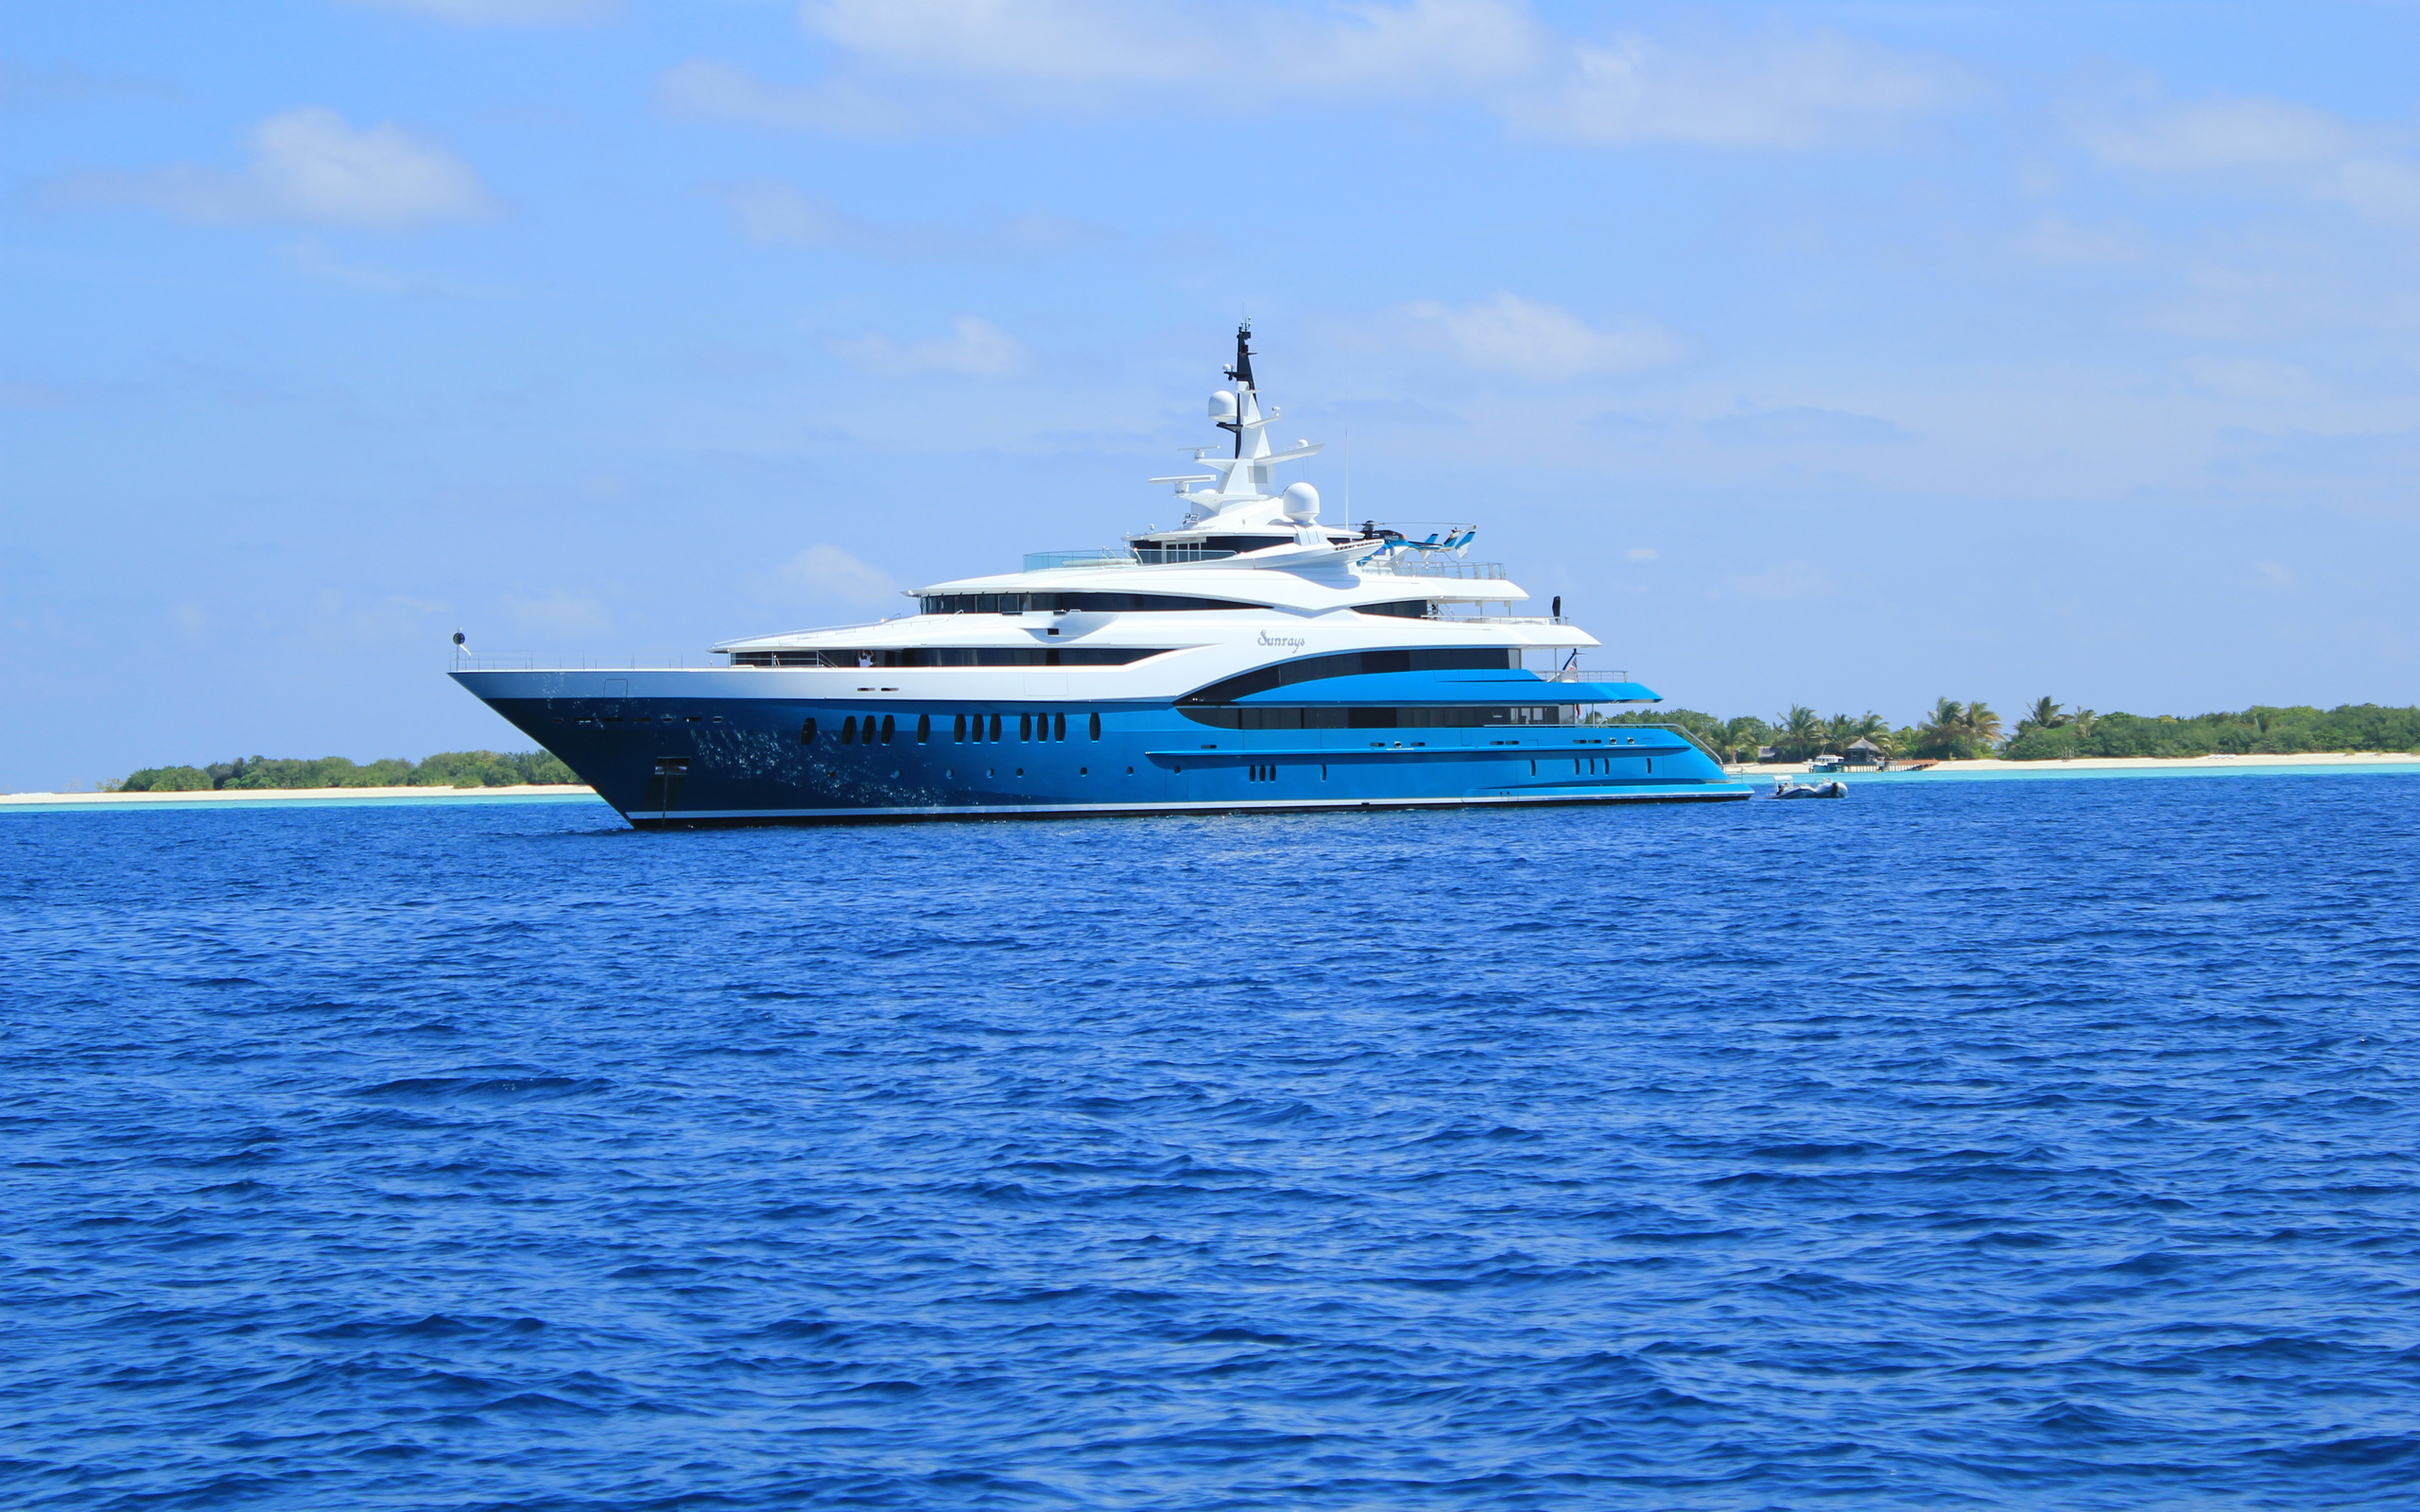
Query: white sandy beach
[
  {"x": 2113, "y": 764},
  {"x": 290, "y": 795}
]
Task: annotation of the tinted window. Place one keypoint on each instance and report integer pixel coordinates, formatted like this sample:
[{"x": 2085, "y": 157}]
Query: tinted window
[
  {"x": 953, "y": 656},
  {"x": 1099, "y": 603},
  {"x": 1377, "y": 716},
  {"x": 1353, "y": 664}
]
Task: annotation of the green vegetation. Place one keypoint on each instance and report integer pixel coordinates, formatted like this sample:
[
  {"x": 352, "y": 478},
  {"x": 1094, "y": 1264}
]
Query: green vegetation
[
  {"x": 1952, "y": 730},
  {"x": 452, "y": 768},
  {"x": 2048, "y": 735}
]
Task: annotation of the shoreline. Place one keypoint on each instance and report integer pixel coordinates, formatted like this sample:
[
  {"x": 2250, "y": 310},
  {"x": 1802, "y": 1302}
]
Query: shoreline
[
  {"x": 2113, "y": 766},
  {"x": 2313, "y": 763},
  {"x": 206, "y": 798}
]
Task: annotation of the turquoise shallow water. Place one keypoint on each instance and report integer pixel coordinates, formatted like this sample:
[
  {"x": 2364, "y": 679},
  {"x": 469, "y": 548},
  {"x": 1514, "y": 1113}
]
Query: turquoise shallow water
[
  {"x": 1990, "y": 1145},
  {"x": 2058, "y": 771}
]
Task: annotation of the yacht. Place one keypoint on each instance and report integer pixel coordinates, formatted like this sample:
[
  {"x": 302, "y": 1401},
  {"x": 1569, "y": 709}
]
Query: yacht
[{"x": 1252, "y": 658}]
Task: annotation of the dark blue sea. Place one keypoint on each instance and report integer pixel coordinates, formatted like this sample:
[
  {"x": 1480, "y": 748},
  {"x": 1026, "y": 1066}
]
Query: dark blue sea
[{"x": 1970, "y": 1144}]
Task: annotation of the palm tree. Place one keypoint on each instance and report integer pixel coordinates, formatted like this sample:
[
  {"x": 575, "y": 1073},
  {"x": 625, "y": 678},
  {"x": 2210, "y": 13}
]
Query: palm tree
[
  {"x": 1981, "y": 723},
  {"x": 1838, "y": 732},
  {"x": 2045, "y": 714},
  {"x": 1741, "y": 736},
  {"x": 1945, "y": 731},
  {"x": 1800, "y": 734},
  {"x": 2083, "y": 719}
]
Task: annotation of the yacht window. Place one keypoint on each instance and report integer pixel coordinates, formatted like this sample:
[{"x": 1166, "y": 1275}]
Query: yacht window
[
  {"x": 1402, "y": 608},
  {"x": 923, "y": 728},
  {"x": 1058, "y": 726},
  {"x": 1378, "y": 716},
  {"x": 888, "y": 723},
  {"x": 1095, "y": 727},
  {"x": 1353, "y": 664},
  {"x": 955, "y": 656},
  {"x": 958, "y": 729},
  {"x": 996, "y": 726},
  {"x": 806, "y": 733},
  {"x": 1044, "y": 603},
  {"x": 849, "y": 730},
  {"x": 1024, "y": 727}
]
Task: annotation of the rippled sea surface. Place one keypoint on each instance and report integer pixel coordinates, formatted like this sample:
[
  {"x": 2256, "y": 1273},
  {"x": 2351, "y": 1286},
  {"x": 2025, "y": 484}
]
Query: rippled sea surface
[{"x": 1979, "y": 1145}]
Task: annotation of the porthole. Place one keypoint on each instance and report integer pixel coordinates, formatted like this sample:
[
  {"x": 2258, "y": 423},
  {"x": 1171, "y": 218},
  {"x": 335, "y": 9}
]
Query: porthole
[
  {"x": 1058, "y": 726},
  {"x": 923, "y": 728},
  {"x": 849, "y": 730},
  {"x": 889, "y": 725},
  {"x": 806, "y": 733},
  {"x": 1095, "y": 722}
]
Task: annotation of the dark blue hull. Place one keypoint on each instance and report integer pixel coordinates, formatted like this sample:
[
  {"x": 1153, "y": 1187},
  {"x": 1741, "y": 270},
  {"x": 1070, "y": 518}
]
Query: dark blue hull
[{"x": 695, "y": 761}]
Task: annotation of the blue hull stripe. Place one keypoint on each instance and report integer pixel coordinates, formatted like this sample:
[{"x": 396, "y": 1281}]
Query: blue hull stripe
[
  {"x": 995, "y": 811},
  {"x": 669, "y": 762}
]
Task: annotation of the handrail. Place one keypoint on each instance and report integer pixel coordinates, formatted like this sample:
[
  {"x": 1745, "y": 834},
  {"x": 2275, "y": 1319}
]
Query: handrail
[
  {"x": 551, "y": 661},
  {"x": 1585, "y": 675},
  {"x": 1400, "y": 564},
  {"x": 1050, "y": 562}
]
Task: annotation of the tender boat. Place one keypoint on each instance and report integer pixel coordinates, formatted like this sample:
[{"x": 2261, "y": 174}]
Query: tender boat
[{"x": 1252, "y": 658}]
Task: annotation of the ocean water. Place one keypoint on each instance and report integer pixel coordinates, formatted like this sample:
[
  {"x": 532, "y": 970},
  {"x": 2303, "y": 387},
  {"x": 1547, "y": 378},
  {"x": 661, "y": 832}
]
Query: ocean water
[{"x": 2040, "y": 1145}]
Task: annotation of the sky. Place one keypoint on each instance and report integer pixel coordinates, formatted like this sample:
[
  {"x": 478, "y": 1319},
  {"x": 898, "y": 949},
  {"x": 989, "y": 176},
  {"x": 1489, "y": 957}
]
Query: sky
[{"x": 1847, "y": 355}]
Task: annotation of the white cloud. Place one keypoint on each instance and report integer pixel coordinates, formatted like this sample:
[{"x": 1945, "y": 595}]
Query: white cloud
[
  {"x": 829, "y": 572},
  {"x": 941, "y": 63},
  {"x": 1524, "y": 338},
  {"x": 559, "y": 612},
  {"x": 1797, "y": 427},
  {"x": 777, "y": 212},
  {"x": 975, "y": 348},
  {"x": 1125, "y": 47},
  {"x": 1789, "y": 581},
  {"x": 2244, "y": 133},
  {"x": 2266, "y": 144},
  {"x": 310, "y": 165},
  {"x": 2057, "y": 239},
  {"x": 502, "y": 13},
  {"x": 1791, "y": 92},
  {"x": 2251, "y": 378},
  {"x": 717, "y": 91},
  {"x": 780, "y": 215}
]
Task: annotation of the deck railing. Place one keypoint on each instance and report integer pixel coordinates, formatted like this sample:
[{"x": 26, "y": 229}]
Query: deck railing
[
  {"x": 552, "y": 662},
  {"x": 1168, "y": 556},
  {"x": 1411, "y": 564},
  {"x": 1051, "y": 561}
]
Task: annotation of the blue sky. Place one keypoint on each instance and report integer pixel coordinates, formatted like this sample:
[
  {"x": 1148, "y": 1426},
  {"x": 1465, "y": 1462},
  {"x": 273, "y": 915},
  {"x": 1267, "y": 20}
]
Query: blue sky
[{"x": 1851, "y": 354}]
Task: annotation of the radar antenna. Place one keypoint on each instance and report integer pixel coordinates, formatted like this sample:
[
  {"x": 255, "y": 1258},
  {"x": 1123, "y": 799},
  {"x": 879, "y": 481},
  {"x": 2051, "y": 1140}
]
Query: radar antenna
[{"x": 1240, "y": 375}]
